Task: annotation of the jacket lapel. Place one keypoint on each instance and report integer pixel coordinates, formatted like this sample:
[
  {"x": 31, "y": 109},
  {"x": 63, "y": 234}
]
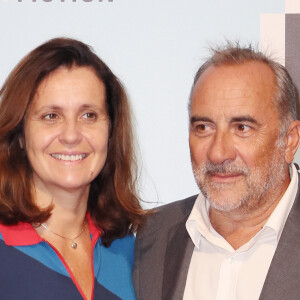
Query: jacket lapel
[
  {"x": 178, "y": 256},
  {"x": 283, "y": 280}
]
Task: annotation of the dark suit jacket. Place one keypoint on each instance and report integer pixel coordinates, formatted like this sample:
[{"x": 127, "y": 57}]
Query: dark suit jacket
[{"x": 164, "y": 249}]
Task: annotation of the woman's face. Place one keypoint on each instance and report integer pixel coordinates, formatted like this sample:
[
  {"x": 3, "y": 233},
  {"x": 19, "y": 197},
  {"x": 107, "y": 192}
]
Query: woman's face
[{"x": 66, "y": 129}]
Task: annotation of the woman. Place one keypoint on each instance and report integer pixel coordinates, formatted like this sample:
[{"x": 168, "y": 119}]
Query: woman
[{"x": 68, "y": 205}]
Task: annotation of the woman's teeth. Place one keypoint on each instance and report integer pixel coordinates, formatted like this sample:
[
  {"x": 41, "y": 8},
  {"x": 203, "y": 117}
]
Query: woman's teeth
[{"x": 69, "y": 157}]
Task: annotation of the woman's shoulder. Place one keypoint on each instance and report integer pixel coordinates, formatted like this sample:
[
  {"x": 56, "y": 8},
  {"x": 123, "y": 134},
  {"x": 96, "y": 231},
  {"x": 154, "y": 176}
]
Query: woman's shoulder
[
  {"x": 122, "y": 246},
  {"x": 119, "y": 254},
  {"x": 115, "y": 266}
]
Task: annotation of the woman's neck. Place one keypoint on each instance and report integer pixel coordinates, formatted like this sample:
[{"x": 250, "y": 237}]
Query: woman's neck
[{"x": 69, "y": 208}]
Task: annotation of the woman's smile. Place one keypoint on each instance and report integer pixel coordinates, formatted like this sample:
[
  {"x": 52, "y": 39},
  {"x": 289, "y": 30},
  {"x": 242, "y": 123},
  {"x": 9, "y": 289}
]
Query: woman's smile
[{"x": 69, "y": 157}]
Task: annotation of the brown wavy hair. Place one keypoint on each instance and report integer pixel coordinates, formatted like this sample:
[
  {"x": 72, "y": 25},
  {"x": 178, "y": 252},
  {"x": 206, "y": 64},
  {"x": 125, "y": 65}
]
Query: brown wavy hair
[{"x": 113, "y": 202}]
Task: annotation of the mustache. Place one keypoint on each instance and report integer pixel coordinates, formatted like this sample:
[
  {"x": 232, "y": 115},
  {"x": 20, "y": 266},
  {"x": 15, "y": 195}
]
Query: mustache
[{"x": 224, "y": 168}]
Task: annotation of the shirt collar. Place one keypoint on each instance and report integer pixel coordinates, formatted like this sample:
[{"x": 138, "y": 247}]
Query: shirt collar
[
  {"x": 198, "y": 224},
  {"x": 23, "y": 234},
  {"x": 278, "y": 217}
]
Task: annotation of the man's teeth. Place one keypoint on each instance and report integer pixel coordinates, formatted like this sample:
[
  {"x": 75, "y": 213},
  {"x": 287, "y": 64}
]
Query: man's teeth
[{"x": 69, "y": 157}]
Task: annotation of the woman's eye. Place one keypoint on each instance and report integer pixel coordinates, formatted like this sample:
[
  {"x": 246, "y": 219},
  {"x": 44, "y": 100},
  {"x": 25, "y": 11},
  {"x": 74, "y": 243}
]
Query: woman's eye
[
  {"x": 90, "y": 116},
  {"x": 51, "y": 116}
]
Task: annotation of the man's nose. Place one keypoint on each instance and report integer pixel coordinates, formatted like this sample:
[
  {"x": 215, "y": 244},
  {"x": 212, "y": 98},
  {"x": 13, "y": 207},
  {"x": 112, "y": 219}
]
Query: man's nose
[
  {"x": 222, "y": 148},
  {"x": 70, "y": 132}
]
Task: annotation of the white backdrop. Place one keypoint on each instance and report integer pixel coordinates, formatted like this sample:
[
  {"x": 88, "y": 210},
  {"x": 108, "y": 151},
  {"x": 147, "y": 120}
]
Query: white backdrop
[{"x": 155, "y": 47}]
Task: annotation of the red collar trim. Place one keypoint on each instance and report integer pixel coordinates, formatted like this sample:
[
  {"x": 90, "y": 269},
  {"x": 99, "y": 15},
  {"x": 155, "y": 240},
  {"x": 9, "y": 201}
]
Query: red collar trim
[
  {"x": 94, "y": 231},
  {"x": 23, "y": 234}
]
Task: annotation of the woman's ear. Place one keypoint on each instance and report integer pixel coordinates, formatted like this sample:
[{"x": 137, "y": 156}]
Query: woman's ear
[
  {"x": 21, "y": 142},
  {"x": 292, "y": 141}
]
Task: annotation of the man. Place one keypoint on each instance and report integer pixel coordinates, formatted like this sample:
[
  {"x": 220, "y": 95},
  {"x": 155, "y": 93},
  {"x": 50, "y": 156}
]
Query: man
[{"x": 240, "y": 237}]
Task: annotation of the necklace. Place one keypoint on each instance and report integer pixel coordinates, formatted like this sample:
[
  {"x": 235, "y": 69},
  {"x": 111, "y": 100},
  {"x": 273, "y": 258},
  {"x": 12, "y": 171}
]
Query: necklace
[{"x": 73, "y": 245}]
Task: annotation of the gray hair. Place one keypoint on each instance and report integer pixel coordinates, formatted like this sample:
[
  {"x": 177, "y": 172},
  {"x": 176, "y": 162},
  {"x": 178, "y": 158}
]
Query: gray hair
[{"x": 286, "y": 96}]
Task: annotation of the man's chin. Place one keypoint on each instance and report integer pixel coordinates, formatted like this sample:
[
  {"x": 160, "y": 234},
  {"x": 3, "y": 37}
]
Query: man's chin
[
  {"x": 218, "y": 191},
  {"x": 225, "y": 206},
  {"x": 225, "y": 200}
]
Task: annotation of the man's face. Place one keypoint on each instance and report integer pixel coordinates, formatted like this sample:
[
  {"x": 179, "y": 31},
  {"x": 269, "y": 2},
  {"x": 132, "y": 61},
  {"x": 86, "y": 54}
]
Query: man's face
[{"x": 237, "y": 155}]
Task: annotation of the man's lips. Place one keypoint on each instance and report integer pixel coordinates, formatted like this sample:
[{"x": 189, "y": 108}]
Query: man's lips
[{"x": 224, "y": 177}]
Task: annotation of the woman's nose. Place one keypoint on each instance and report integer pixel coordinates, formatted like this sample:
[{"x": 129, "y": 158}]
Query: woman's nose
[{"x": 70, "y": 132}]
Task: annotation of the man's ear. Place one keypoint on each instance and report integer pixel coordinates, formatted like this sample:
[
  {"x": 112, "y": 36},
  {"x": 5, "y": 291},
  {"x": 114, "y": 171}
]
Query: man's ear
[{"x": 292, "y": 141}]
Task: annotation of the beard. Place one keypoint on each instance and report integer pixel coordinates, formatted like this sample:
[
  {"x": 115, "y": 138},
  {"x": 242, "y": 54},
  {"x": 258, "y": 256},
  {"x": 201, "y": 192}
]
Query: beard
[{"x": 253, "y": 188}]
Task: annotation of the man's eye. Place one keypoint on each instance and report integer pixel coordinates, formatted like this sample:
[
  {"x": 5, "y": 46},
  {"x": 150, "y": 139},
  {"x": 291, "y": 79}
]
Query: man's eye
[
  {"x": 51, "y": 116},
  {"x": 243, "y": 127},
  {"x": 201, "y": 127}
]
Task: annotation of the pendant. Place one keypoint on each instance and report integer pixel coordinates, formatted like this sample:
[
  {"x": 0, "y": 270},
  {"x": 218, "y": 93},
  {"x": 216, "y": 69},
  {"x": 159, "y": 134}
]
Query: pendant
[{"x": 74, "y": 245}]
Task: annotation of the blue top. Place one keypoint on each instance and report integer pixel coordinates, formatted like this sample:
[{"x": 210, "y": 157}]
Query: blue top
[{"x": 33, "y": 269}]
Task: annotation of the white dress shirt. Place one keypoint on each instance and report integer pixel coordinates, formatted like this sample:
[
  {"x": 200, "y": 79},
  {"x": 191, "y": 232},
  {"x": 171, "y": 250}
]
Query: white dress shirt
[{"x": 217, "y": 271}]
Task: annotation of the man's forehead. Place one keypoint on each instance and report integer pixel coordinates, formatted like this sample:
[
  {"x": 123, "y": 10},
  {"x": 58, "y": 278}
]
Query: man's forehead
[
  {"x": 245, "y": 84},
  {"x": 252, "y": 67},
  {"x": 226, "y": 93}
]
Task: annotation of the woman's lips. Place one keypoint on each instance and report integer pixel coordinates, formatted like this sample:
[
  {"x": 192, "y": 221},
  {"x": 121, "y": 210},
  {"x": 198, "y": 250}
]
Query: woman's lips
[{"x": 69, "y": 157}]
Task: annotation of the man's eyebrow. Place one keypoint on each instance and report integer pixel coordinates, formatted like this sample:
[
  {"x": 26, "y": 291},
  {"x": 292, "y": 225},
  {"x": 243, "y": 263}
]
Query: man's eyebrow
[
  {"x": 246, "y": 118},
  {"x": 200, "y": 119}
]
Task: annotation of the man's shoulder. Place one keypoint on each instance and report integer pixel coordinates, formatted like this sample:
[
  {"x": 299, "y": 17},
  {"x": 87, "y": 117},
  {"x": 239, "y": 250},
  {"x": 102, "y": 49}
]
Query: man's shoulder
[
  {"x": 169, "y": 215},
  {"x": 177, "y": 208}
]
